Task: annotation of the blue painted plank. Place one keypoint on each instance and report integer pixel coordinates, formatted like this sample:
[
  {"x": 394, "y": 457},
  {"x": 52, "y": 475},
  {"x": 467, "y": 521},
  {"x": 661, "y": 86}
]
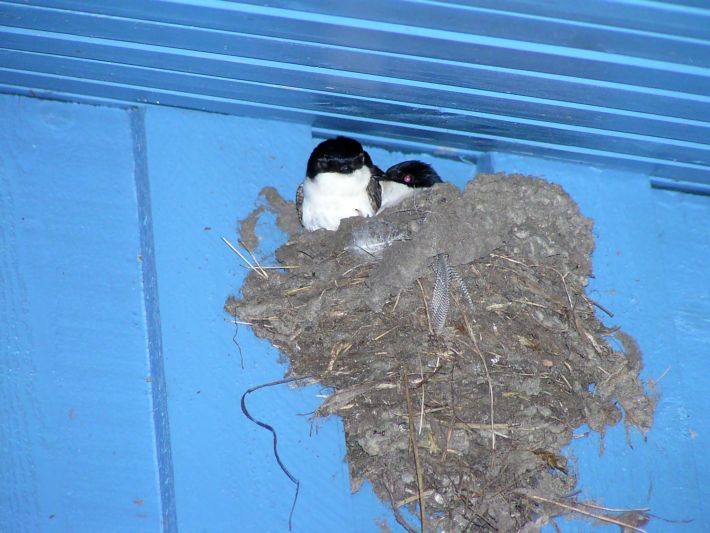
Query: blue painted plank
[
  {"x": 680, "y": 186},
  {"x": 464, "y": 142},
  {"x": 517, "y": 26},
  {"x": 350, "y": 33},
  {"x": 382, "y": 87},
  {"x": 76, "y": 412},
  {"x": 462, "y": 83},
  {"x": 642, "y": 15},
  {"x": 652, "y": 248},
  {"x": 653, "y": 17},
  {"x": 399, "y": 68},
  {"x": 320, "y": 103}
]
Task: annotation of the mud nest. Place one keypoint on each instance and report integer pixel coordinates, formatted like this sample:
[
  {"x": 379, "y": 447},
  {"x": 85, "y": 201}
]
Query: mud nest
[{"x": 457, "y": 321}]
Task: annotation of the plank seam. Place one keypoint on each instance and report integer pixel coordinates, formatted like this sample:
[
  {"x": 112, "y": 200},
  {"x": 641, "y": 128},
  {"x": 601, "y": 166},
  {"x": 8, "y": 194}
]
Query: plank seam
[{"x": 163, "y": 448}]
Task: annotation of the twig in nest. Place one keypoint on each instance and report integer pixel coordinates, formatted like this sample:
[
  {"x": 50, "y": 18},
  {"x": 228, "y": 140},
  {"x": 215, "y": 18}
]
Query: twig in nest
[
  {"x": 426, "y": 307},
  {"x": 415, "y": 449},
  {"x": 381, "y": 335},
  {"x": 526, "y": 302},
  {"x": 509, "y": 259},
  {"x": 340, "y": 347},
  {"x": 488, "y": 377},
  {"x": 261, "y": 273},
  {"x": 573, "y": 315},
  {"x": 413, "y": 498},
  {"x": 296, "y": 290},
  {"x": 601, "y": 517},
  {"x": 256, "y": 261},
  {"x": 597, "y": 304},
  {"x": 498, "y": 426},
  {"x": 450, "y": 432},
  {"x": 396, "y": 302},
  {"x": 655, "y": 382},
  {"x": 397, "y": 514},
  {"x": 421, "y": 408},
  {"x": 279, "y": 267},
  {"x": 564, "y": 284},
  {"x": 343, "y": 398},
  {"x": 239, "y": 322},
  {"x": 348, "y": 271},
  {"x": 615, "y": 510}
]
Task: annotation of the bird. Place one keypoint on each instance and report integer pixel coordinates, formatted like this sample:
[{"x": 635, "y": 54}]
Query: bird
[
  {"x": 405, "y": 179},
  {"x": 341, "y": 181}
]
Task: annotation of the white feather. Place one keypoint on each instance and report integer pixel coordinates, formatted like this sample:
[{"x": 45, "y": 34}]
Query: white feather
[
  {"x": 374, "y": 240},
  {"x": 330, "y": 197}
]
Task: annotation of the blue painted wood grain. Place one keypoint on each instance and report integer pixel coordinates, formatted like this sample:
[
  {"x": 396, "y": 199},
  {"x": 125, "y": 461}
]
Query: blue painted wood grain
[
  {"x": 626, "y": 83},
  {"x": 76, "y": 422}
]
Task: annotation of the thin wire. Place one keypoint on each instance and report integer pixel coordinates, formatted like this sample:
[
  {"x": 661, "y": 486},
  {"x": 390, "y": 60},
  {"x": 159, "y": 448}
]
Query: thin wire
[{"x": 273, "y": 432}]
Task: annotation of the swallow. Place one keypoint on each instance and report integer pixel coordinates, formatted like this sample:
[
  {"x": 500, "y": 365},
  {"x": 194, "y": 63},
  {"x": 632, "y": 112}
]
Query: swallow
[
  {"x": 341, "y": 182},
  {"x": 405, "y": 179}
]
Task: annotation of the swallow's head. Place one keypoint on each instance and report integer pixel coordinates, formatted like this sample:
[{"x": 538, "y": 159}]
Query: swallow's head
[
  {"x": 340, "y": 155},
  {"x": 415, "y": 174}
]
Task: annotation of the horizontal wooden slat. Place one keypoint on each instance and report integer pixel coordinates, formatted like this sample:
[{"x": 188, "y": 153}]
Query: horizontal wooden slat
[
  {"x": 492, "y": 21},
  {"x": 318, "y": 102},
  {"x": 407, "y": 72},
  {"x": 514, "y": 76},
  {"x": 672, "y": 18},
  {"x": 508, "y": 107},
  {"x": 467, "y": 142},
  {"x": 368, "y": 35}
]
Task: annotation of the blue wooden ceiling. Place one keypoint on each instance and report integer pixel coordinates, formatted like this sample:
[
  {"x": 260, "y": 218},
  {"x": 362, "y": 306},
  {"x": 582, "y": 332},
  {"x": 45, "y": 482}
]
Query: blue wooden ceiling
[{"x": 624, "y": 83}]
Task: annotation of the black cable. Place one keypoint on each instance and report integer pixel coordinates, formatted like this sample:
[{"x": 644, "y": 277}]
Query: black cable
[{"x": 273, "y": 432}]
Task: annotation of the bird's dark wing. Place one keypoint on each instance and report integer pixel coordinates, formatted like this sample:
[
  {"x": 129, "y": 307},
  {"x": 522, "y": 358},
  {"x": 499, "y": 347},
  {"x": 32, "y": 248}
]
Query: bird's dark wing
[
  {"x": 299, "y": 203},
  {"x": 374, "y": 192}
]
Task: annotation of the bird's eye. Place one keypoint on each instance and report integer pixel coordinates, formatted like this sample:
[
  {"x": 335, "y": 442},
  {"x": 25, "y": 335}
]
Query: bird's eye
[
  {"x": 408, "y": 179},
  {"x": 347, "y": 169}
]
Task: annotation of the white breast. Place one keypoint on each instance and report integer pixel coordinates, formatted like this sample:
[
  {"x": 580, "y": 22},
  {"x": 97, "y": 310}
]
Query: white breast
[
  {"x": 330, "y": 197},
  {"x": 394, "y": 192}
]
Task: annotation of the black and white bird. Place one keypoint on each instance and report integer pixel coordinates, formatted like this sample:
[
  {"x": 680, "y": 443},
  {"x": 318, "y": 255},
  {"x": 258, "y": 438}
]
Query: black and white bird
[
  {"x": 341, "y": 181},
  {"x": 405, "y": 179}
]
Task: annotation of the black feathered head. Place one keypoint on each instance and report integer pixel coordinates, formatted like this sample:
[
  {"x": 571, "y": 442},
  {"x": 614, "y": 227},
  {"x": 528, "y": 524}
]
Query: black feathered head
[
  {"x": 414, "y": 174},
  {"x": 341, "y": 154}
]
